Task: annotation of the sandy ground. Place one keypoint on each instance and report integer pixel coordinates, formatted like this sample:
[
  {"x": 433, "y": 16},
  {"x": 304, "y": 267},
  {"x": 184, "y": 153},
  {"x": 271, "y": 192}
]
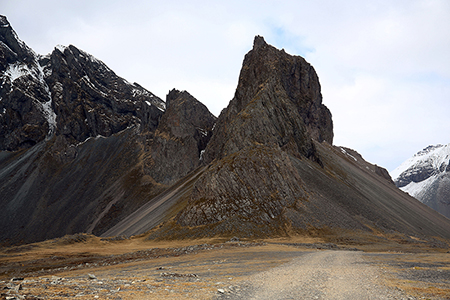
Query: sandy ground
[{"x": 214, "y": 269}]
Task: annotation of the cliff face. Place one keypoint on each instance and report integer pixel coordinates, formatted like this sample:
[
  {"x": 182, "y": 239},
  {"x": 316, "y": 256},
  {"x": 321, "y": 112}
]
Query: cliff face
[
  {"x": 89, "y": 99},
  {"x": 276, "y": 113},
  {"x": 277, "y": 102},
  {"x": 181, "y": 137},
  {"x": 26, "y": 115}
]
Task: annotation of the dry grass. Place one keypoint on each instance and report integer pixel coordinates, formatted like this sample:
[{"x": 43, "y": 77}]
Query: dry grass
[
  {"x": 421, "y": 275},
  {"x": 219, "y": 268}
]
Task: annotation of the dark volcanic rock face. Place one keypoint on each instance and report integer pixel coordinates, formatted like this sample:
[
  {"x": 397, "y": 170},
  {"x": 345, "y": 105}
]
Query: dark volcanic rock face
[
  {"x": 84, "y": 147},
  {"x": 273, "y": 170},
  {"x": 277, "y": 112},
  {"x": 256, "y": 184},
  {"x": 26, "y": 116},
  {"x": 180, "y": 138},
  {"x": 277, "y": 102},
  {"x": 68, "y": 93},
  {"x": 89, "y": 99}
]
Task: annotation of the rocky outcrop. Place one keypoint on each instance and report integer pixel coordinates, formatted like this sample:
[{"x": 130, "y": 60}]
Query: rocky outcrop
[
  {"x": 181, "y": 137},
  {"x": 358, "y": 160},
  {"x": 256, "y": 184},
  {"x": 277, "y": 112},
  {"x": 277, "y": 102}
]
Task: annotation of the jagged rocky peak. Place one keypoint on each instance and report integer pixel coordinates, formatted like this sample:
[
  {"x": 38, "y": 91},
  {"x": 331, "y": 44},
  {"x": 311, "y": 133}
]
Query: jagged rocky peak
[
  {"x": 277, "y": 102},
  {"x": 192, "y": 111},
  {"x": 68, "y": 93},
  {"x": 275, "y": 118},
  {"x": 265, "y": 66},
  {"x": 92, "y": 100},
  {"x": 8, "y": 37},
  {"x": 182, "y": 134}
]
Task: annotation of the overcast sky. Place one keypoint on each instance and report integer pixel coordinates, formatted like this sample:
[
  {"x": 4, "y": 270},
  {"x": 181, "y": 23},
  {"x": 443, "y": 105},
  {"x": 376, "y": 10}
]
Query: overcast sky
[{"x": 384, "y": 66}]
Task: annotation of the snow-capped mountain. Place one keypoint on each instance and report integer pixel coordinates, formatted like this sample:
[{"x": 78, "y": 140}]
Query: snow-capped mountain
[{"x": 426, "y": 177}]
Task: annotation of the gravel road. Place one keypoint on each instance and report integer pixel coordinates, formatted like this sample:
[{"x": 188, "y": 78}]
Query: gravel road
[{"x": 318, "y": 275}]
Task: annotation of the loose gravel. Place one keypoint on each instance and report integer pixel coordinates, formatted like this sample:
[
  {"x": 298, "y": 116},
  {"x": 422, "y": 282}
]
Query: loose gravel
[{"x": 318, "y": 275}]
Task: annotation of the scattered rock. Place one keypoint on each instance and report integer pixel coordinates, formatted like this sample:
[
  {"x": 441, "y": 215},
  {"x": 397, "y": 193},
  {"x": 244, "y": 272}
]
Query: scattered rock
[
  {"x": 178, "y": 275},
  {"x": 92, "y": 276}
]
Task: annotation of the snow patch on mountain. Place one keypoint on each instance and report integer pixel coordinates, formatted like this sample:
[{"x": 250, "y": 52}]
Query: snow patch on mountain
[
  {"x": 348, "y": 154},
  {"x": 16, "y": 71},
  {"x": 436, "y": 157},
  {"x": 415, "y": 189},
  {"x": 33, "y": 74}
]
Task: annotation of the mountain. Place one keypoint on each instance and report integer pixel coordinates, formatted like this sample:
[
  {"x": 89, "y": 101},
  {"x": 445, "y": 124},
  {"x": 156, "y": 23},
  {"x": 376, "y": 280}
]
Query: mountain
[
  {"x": 272, "y": 169},
  {"x": 80, "y": 147},
  {"x": 84, "y": 150},
  {"x": 426, "y": 176}
]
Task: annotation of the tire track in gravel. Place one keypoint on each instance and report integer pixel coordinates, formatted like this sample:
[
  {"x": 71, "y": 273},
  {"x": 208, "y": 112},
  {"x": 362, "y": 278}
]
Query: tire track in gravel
[{"x": 319, "y": 275}]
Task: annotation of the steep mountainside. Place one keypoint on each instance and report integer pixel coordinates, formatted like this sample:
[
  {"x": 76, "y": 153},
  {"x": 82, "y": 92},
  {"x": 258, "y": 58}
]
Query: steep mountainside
[
  {"x": 26, "y": 113},
  {"x": 80, "y": 147},
  {"x": 277, "y": 102},
  {"x": 426, "y": 176},
  {"x": 273, "y": 171},
  {"x": 181, "y": 137}
]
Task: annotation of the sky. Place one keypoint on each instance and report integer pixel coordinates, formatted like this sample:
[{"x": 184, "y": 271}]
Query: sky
[{"x": 384, "y": 66}]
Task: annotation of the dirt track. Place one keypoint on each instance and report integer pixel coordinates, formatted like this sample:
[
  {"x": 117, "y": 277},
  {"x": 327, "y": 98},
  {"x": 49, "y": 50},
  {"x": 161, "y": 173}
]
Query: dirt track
[
  {"x": 292, "y": 269},
  {"x": 319, "y": 275}
]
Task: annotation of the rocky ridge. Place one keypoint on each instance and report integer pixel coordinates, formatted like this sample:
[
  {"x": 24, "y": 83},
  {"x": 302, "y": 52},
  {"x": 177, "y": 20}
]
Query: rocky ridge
[
  {"x": 81, "y": 147},
  {"x": 180, "y": 138},
  {"x": 277, "y": 111}
]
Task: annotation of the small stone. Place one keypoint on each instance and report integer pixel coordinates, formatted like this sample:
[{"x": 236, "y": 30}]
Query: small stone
[
  {"x": 222, "y": 291},
  {"x": 92, "y": 276},
  {"x": 17, "y": 279},
  {"x": 17, "y": 288}
]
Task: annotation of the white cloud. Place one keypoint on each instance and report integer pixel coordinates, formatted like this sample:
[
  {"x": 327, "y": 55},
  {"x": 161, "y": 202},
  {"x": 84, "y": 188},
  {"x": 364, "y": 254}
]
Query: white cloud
[{"x": 384, "y": 66}]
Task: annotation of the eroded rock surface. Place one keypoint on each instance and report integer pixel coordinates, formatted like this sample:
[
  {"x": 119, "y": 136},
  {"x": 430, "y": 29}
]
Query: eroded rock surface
[
  {"x": 277, "y": 102},
  {"x": 181, "y": 137}
]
